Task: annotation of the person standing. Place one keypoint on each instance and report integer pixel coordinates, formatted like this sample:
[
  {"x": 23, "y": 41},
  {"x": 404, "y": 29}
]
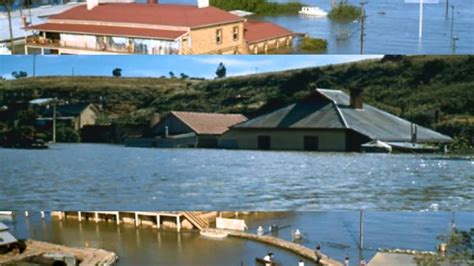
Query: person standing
[
  {"x": 317, "y": 252},
  {"x": 301, "y": 263},
  {"x": 268, "y": 259},
  {"x": 346, "y": 261}
]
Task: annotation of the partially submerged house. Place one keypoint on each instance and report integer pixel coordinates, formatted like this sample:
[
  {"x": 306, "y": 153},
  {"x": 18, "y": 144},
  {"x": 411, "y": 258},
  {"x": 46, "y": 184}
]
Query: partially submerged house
[
  {"x": 195, "y": 129},
  {"x": 76, "y": 115},
  {"x": 126, "y": 27},
  {"x": 327, "y": 120}
]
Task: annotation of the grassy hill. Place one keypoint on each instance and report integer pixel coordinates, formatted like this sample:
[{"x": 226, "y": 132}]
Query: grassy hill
[{"x": 414, "y": 87}]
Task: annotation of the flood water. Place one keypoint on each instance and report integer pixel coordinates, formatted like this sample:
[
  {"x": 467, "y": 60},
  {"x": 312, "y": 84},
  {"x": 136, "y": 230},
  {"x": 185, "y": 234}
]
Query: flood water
[
  {"x": 98, "y": 177},
  {"x": 336, "y": 232},
  {"x": 394, "y": 32}
]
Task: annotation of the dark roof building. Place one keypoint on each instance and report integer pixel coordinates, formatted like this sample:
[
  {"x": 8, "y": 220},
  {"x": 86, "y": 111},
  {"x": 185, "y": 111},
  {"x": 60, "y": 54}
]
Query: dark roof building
[{"x": 330, "y": 120}]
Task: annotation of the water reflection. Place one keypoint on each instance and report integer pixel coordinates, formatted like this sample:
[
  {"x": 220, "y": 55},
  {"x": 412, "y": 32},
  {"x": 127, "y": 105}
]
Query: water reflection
[{"x": 336, "y": 232}]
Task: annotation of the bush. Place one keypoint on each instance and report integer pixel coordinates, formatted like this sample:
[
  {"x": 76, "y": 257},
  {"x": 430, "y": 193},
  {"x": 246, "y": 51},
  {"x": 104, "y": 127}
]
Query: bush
[
  {"x": 345, "y": 12},
  {"x": 260, "y": 7},
  {"x": 67, "y": 135},
  {"x": 313, "y": 44}
]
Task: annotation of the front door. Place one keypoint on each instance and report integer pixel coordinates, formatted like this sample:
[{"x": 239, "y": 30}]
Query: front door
[
  {"x": 311, "y": 143},
  {"x": 263, "y": 142}
]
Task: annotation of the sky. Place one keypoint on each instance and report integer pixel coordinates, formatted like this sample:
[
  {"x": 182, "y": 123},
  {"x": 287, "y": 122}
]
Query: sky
[{"x": 156, "y": 66}]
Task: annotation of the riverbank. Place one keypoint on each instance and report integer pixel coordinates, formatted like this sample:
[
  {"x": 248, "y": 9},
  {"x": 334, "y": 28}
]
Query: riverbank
[{"x": 36, "y": 249}]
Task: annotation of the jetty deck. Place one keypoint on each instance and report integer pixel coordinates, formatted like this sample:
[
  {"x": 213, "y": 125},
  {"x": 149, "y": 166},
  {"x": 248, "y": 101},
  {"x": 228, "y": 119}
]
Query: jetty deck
[
  {"x": 86, "y": 256},
  {"x": 177, "y": 219}
]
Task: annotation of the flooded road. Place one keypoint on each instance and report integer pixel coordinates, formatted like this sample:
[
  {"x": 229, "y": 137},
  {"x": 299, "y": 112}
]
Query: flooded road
[
  {"x": 336, "y": 232},
  {"x": 98, "y": 177}
]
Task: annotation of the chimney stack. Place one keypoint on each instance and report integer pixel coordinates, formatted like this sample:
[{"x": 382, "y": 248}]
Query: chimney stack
[
  {"x": 357, "y": 98},
  {"x": 152, "y": 2},
  {"x": 203, "y": 3},
  {"x": 92, "y": 3}
]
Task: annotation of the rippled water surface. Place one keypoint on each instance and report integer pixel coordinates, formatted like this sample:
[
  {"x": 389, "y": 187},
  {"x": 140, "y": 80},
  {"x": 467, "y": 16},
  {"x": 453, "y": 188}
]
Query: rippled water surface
[{"x": 95, "y": 176}]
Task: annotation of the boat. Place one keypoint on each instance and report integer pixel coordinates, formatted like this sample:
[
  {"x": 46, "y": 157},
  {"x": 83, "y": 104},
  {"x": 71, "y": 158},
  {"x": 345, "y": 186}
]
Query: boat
[
  {"x": 213, "y": 233},
  {"x": 4, "y": 49},
  {"x": 5, "y": 213},
  {"x": 376, "y": 146},
  {"x": 259, "y": 261},
  {"x": 312, "y": 11}
]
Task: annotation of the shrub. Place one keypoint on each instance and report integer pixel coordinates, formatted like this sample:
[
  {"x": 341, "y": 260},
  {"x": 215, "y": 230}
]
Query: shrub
[
  {"x": 313, "y": 44},
  {"x": 67, "y": 135}
]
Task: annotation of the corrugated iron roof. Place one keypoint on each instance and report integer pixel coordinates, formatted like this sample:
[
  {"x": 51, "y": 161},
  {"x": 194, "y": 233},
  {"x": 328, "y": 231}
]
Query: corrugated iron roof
[
  {"x": 151, "y": 14},
  {"x": 258, "y": 31},
  {"x": 109, "y": 30},
  {"x": 67, "y": 110},
  {"x": 209, "y": 123},
  {"x": 330, "y": 109}
]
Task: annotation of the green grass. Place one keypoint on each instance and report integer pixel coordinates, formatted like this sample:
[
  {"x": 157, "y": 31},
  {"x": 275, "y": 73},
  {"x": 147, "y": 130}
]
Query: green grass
[{"x": 259, "y": 7}]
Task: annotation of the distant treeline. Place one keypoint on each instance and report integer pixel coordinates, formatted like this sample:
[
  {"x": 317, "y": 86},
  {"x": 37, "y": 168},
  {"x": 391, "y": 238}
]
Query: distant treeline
[{"x": 260, "y": 7}]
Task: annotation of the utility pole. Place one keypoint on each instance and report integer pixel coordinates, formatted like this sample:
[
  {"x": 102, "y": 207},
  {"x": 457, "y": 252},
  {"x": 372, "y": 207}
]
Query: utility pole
[
  {"x": 453, "y": 38},
  {"x": 34, "y": 65},
  {"x": 447, "y": 9},
  {"x": 55, "y": 102},
  {"x": 361, "y": 230},
  {"x": 362, "y": 28}
]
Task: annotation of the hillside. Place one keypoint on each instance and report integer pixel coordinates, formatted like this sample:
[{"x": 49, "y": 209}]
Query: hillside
[{"x": 412, "y": 87}]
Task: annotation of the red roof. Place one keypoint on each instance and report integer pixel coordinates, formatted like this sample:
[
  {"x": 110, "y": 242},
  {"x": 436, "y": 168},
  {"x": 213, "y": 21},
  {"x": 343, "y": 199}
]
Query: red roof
[
  {"x": 257, "y": 31},
  {"x": 209, "y": 123},
  {"x": 154, "y": 14},
  {"x": 108, "y": 30}
]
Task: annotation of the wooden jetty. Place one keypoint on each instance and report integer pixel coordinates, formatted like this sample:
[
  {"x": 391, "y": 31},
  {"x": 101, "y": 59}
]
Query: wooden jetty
[{"x": 178, "y": 220}]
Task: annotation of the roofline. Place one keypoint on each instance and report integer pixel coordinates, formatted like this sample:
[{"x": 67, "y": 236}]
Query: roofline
[
  {"x": 339, "y": 113},
  {"x": 192, "y": 128},
  {"x": 270, "y": 38},
  {"x": 216, "y": 24}
]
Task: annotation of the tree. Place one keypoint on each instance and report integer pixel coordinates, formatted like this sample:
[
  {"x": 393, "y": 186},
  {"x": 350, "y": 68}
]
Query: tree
[
  {"x": 117, "y": 72},
  {"x": 19, "y": 74},
  {"x": 172, "y": 75},
  {"x": 7, "y": 4},
  {"x": 221, "y": 71},
  {"x": 184, "y": 76}
]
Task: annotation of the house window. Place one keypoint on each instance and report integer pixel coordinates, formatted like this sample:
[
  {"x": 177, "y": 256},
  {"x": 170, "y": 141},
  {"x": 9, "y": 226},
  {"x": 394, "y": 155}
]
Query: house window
[
  {"x": 264, "y": 142},
  {"x": 311, "y": 143},
  {"x": 235, "y": 32},
  {"x": 219, "y": 36}
]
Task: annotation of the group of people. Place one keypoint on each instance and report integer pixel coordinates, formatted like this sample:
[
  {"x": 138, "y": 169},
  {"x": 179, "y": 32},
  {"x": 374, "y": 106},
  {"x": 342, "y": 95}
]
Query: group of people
[{"x": 268, "y": 259}]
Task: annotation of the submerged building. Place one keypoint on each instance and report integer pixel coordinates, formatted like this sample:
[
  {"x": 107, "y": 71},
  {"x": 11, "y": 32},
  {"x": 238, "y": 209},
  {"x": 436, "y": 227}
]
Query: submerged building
[
  {"x": 124, "y": 27},
  {"x": 194, "y": 129},
  {"x": 327, "y": 120}
]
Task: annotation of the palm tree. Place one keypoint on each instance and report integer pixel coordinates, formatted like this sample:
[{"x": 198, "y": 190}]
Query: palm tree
[{"x": 8, "y": 6}]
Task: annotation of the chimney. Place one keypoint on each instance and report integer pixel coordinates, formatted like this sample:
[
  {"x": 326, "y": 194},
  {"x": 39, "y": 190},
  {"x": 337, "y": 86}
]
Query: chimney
[
  {"x": 357, "y": 98},
  {"x": 203, "y": 3},
  {"x": 152, "y": 2},
  {"x": 92, "y": 3},
  {"x": 155, "y": 119}
]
